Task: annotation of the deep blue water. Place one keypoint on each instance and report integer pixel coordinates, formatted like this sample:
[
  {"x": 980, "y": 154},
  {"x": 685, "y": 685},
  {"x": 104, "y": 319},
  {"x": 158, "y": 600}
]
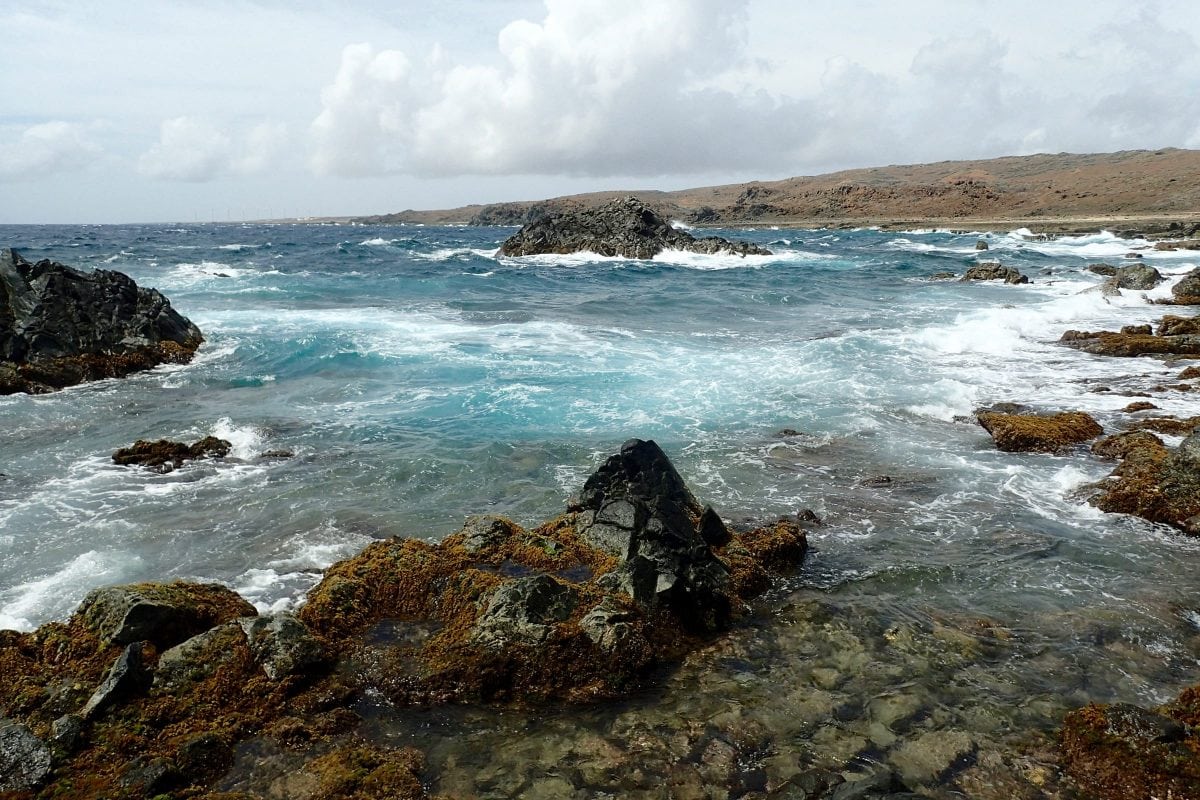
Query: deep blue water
[{"x": 419, "y": 379}]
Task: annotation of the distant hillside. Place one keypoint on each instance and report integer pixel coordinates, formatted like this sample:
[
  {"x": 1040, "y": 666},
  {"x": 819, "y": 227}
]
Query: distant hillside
[{"x": 1152, "y": 187}]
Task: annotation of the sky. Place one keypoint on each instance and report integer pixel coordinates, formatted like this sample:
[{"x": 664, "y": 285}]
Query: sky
[{"x": 203, "y": 110}]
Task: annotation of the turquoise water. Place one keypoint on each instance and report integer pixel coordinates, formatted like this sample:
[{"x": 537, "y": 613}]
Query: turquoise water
[{"x": 419, "y": 379}]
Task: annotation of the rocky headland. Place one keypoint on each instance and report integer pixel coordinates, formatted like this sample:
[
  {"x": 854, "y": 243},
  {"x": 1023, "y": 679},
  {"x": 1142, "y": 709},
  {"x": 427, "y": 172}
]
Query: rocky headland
[
  {"x": 626, "y": 227},
  {"x": 60, "y": 326},
  {"x": 1133, "y": 192},
  {"x": 159, "y": 689}
]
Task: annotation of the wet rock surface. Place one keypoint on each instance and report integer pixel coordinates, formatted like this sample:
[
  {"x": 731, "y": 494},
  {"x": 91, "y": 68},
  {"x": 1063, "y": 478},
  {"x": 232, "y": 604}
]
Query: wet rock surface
[
  {"x": 60, "y": 326},
  {"x": 1153, "y": 481},
  {"x": 1170, "y": 340},
  {"x": 627, "y": 228},
  {"x": 183, "y": 690},
  {"x": 1033, "y": 433},
  {"x": 994, "y": 271},
  {"x": 1122, "y": 751},
  {"x": 165, "y": 455}
]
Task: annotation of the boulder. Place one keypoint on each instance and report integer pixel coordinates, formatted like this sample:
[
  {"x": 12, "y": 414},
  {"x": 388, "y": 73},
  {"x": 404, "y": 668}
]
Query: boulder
[
  {"x": 1153, "y": 481},
  {"x": 1171, "y": 325},
  {"x": 981, "y": 245},
  {"x": 637, "y": 508},
  {"x": 627, "y": 228},
  {"x": 60, "y": 326},
  {"x": 161, "y": 613},
  {"x": 1187, "y": 290},
  {"x": 525, "y": 611},
  {"x": 127, "y": 676},
  {"x": 994, "y": 271},
  {"x": 282, "y": 644},
  {"x": 1138, "y": 276},
  {"x": 1031, "y": 433},
  {"x": 165, "y": 455},
  {"x": 1107, "y": 270},
  {"x": 193, "y": 661},
  {"x": 25, "y": 760}
]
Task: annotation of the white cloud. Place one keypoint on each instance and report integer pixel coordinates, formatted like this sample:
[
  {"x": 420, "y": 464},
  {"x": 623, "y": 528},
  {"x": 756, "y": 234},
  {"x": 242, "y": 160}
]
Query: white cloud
[
  {"x": 596, "y": 87},
  {"x": 667, "y": 87},
  {"x": 196, "y": 150},
  {"x": 44, "y": 149}
]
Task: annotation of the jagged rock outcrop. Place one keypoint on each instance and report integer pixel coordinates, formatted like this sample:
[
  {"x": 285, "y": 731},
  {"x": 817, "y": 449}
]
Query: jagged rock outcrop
[
  {"x": 165, "y": 455},
  {"x": 1173, "y": 338},
  {"x": 1033, "y": 433},
  {"x": 994, "y": 271},
  {"x": 1153, "y": 481},
  {"x": 60, "y": 326},
  {"x": 627, "y": 228},
  {"x": 162, "y": 613}
]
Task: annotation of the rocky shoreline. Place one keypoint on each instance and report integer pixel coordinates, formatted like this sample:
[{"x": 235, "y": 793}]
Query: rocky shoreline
[
  {"x": 185, "y": 690},
  {"x": 154, "y": 689}
]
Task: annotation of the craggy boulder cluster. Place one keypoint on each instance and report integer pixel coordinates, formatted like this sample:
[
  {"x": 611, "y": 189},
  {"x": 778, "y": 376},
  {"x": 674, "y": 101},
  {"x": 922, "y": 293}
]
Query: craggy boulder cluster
[
  {"x": 627, "y": 228},
  {"x": 60, "y": 326},
  {"x": 1152, "y": 481},
  {"x": 1124, "y": 752},
  {"x": 1036, "y": 433},
  {"x": 165, "y": 455},
  {"x": 168, "y": 690}
]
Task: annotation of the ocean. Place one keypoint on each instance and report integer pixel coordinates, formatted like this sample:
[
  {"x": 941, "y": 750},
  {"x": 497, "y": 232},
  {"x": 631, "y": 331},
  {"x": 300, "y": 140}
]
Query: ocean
[{"x": 417, "y": 378}]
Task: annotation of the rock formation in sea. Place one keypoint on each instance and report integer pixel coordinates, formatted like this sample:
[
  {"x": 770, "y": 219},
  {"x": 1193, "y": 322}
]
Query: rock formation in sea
[
  {"x": 1153, "y": 481},
  {"x": 160, "y": 688},
  {"x": 1174, "y": 336},
  {"x": 1037, "y": 433},
  {"x": 60, "y": 326},
  {"x": 627, "y": 228},
  {"x": 165, "y": 455},
  {"x": 994, "y": 271}
]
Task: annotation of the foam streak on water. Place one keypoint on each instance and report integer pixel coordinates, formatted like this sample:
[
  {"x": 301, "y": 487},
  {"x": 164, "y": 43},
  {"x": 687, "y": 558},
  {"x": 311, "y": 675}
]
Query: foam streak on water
[{"x": 417, "y": 378}]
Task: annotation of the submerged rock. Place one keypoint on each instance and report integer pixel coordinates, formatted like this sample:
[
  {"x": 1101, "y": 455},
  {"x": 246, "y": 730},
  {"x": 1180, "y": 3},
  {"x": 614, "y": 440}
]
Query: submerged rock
[
  {"x": 165, "y": 455},
  {"x": 994, "y": 271},
  {"x": 625, "y": 227},
  {"x": 60, "y": 326},
  {"x": 1032, "y": 433}
]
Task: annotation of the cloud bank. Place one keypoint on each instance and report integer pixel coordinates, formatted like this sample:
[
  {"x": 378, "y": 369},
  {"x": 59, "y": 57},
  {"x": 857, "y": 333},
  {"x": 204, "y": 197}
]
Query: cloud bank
[
  {"x": 38, "y": 151},
  {"x": 196, "y": 150},
  {"x": 661, "y": 87}
]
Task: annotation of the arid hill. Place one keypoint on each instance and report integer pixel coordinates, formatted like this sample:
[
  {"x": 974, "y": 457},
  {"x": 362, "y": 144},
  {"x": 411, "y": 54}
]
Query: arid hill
[{"x": 1149, "y": 191}]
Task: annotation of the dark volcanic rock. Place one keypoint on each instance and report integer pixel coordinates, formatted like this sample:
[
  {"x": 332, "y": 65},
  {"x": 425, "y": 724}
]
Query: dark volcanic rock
[
  {"x": 165, "y": 455},
  {"x": 1030, "y": 433},
  {"x": 25, "y": 760},
  {"x": 626, "y": 228},
  {"x": 128, "y": 676},
  {"x": 161, "y": 613},
  {"x": 60, "y": 326},
  {"x": 994, "y": 271},
  {"x": 1107, "y": 270},
  {"x": 636, "y": 507}
]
